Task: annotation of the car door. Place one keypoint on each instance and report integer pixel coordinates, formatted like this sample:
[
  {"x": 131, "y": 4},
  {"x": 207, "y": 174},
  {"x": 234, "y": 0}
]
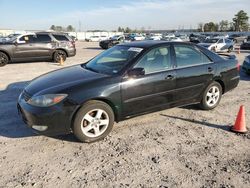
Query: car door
[
  {"x": 24, "y": 47},
  {"x": 153, "y": 89},
  {"x": 42, "y": 46},
  {"x": 194, "y": 71}
]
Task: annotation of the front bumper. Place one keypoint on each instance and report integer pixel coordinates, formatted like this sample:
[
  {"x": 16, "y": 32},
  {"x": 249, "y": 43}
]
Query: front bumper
[{"x": 57, "y": 118}]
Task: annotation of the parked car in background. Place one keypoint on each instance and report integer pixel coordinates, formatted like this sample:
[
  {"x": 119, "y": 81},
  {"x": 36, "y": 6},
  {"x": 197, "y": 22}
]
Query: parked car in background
[
  {"x": 246, "y": 45},
  {"x": 238, "y": 38},
  {"x": 117, "y": 39},
  {"x": 104, "y": 37},
  {"x": 197, "y": 38},
  {"x": 37, "y": 46},
  {"x": 246, "y": 65},
  {"x": 73, "y": 38},
  {"x": 137, "y": 37},
  {"x": 183, "y": 37},
  {"x": 154, "y": 37},
  {"x": 9, "y": 37},
  {"x": 125, "y": 81},
  {"x": 218, "y": 44},
  {"x": 93, "y": 39},
  {"x": 175, "y": 39}
]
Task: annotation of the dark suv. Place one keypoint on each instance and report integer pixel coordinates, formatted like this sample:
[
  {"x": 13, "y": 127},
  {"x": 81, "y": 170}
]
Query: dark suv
[{"x": 37, "y": 46}]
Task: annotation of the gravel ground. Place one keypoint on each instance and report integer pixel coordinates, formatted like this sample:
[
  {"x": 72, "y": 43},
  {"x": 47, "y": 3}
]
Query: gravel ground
[{"x": 179, "y": 147}]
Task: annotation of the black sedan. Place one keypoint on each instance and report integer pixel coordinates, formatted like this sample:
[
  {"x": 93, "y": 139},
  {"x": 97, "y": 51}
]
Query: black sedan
[
  {"x": 125, "y": 81},
  {"x": 106, "y": 44},
  {"x": 246, "y": 44}
]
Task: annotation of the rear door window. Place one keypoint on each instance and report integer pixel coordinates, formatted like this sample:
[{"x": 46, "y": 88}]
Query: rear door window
[
  {"x": 61, "y": 37},
  {"x": 43, "y": 38},
  {"x": 189, "y": 56}
]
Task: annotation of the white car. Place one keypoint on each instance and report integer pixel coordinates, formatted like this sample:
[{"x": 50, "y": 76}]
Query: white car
[
  {"x": 103, "y": 37},
  {"x": 139, "y": 37},
  {"x": 175, "y": 39},
  {"x": 218, "y": 44},
  {"x": 94, "y": 39},
  {"x": 155, "y": 37}
]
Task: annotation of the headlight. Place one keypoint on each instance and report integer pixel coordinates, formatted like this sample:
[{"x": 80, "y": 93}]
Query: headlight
[{"x": 46, "y": 100}]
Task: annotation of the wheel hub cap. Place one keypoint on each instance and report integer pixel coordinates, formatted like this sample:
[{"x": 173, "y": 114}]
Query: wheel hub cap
[{"x": 95, "y": 123}]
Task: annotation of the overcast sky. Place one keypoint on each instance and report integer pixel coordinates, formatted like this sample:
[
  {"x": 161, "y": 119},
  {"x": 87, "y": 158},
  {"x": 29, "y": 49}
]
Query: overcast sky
[{"x": 109, "y": 14}]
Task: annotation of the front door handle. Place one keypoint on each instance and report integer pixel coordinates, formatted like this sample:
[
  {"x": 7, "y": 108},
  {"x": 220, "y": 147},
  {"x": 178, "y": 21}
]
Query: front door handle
[
  {"x": 169, "y": 77},
  {"x": 210, "y": 69}
]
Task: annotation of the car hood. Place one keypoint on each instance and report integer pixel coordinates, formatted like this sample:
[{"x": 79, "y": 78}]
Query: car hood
[{"x": 61, "y": 79}]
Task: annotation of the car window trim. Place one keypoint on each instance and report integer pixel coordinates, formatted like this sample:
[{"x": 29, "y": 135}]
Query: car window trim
[
  {"x": 195, "y": 48},
  {"x": 176, "y": 68}
]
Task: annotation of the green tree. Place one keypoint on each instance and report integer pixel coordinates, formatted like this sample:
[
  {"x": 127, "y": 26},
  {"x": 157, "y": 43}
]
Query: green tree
[
  {"x": 224, "y": 25},
  {"x": 241, "y": 21},
  {"x": 210, "y": 27},
  {"x": 128, "y": 30},
  {"x": 53, "y": 27},
  {"x": 119, "y": 29},
  {"x": 59, "y": 28},
  {"x": 70, "y": 28},
  {"x": 200, "y": 27}
]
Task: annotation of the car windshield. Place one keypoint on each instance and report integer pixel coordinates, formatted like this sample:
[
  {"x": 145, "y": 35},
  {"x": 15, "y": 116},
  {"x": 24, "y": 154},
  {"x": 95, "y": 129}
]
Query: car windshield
[
  {"x": 113, "y": 60},
  {"x": 211, "y": 40}
]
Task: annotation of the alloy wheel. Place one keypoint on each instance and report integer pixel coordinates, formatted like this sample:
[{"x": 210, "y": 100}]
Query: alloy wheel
[
  {"x": 95, "y": 123},
  {"x": 212, "y": 96}
]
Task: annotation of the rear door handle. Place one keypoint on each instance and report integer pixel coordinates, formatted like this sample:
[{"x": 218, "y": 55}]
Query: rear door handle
[
  {"x": 210, "y": 69},
  {"x": 169, "y": 77}
]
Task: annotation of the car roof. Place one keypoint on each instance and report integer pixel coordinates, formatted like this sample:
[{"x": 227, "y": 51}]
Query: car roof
[
  {"x": 151, "y": 43},
  {"x": 53, "y": 33}
]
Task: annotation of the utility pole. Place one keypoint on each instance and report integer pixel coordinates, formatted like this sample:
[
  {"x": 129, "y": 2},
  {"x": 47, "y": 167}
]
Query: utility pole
[{"x": 80, "y": 26}]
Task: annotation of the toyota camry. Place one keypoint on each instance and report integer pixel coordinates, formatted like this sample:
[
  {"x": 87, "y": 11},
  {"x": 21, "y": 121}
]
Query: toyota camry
[{"x": 127, "y": 80}]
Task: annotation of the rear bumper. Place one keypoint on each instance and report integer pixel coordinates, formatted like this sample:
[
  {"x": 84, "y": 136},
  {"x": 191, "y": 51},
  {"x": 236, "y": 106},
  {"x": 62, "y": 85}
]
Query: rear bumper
[
  {"x": 233, "y": 83},
  {"x": 71, "y": 52}
]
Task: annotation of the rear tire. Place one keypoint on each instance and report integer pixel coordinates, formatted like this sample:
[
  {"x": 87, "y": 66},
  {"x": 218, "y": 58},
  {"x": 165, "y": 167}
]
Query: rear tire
[
  {"x": 4, "y": 59},
  {"x": 93, "y": 122},
  {"x": 58, "y": 54},
  {"x": 211, "y": 96}
]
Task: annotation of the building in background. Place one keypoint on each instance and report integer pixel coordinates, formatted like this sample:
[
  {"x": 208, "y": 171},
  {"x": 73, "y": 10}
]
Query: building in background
[{"x": 6, "y": 32}]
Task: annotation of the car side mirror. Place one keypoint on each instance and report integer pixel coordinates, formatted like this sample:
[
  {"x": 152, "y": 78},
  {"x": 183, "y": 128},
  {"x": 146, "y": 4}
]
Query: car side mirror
[{"x": 135, "y": 72}]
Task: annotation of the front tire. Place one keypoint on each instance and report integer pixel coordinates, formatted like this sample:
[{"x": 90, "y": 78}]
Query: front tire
[
  {"x": 4, "y": 60},
  {"x": 93, "y": 122},
  {"x": 211, "y": 96}
]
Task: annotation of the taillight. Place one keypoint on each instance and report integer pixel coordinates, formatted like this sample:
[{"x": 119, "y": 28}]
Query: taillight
[
  {"x": 71, "y": 44},
  {"x": 238, "y": 66}
]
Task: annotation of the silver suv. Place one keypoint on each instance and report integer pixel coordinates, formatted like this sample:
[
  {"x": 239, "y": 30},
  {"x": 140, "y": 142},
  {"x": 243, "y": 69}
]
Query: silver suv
[{"x": 37, "y": 46}]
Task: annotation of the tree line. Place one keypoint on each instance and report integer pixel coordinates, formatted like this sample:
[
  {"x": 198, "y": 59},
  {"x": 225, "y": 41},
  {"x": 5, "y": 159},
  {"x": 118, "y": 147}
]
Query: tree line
[
  {"x": 238, "y": 23},
  {"x": 69, "y": 28}
]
